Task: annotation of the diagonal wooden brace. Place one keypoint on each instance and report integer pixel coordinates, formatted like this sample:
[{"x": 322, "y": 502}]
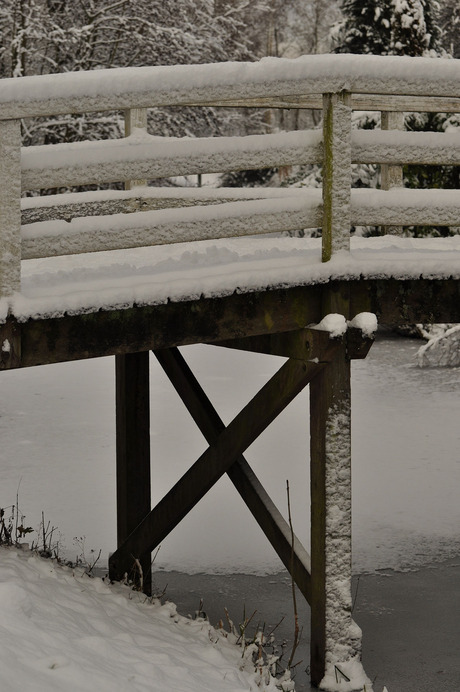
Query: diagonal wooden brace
[
  {"x": 277, "y": 530},
  {"x": 252, "y": 420}
]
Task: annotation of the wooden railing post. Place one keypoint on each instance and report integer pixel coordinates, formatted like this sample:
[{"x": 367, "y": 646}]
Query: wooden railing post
[
  {"x": 392, "y": 176},
  {"x": 10, "y": 207},
  {"x": 336, "y": 173},
  {"x": 135, "y": 119}
]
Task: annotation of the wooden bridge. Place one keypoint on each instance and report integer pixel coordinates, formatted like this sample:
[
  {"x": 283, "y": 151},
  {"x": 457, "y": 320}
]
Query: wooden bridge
[{"x": 90, "y": 274}]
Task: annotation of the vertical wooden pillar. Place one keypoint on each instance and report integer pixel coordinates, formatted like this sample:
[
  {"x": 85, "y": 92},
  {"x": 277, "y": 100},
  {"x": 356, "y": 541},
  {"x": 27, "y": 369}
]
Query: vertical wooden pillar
[
  {"x": 10, "y": 207},
  {"x": 334, "y": 637},
  {"x": 336, "y": 173},
  {"x": 392, "y": 176},
  {"x": 133, "y": 449}
]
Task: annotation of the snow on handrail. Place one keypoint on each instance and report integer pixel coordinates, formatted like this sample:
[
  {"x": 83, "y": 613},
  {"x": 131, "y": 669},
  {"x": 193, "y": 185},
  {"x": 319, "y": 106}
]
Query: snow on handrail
[
  {"x": 145, "y": 156},
  {"x": 168, "y": 226},
  {"x": 137, "y": 87},
  {"x": 84, "y": 163},
  {"x": 234, "y": 219}
]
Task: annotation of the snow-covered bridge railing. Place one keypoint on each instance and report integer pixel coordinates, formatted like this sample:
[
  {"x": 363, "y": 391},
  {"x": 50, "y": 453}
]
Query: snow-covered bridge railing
[{"x": 90, "y": 222}]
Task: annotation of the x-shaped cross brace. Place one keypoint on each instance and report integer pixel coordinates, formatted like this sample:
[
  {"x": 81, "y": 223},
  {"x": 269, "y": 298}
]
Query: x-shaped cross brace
[{"x": 309, "y": 350}]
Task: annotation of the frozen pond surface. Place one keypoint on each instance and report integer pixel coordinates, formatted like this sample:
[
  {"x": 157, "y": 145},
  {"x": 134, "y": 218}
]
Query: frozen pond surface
[{"x": 57, "y": 444}]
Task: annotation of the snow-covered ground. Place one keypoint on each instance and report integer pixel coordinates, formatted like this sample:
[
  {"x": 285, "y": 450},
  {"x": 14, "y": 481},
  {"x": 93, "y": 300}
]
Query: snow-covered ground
[
  {"x": 58, "y": 448},
  {"x": 61, "y": 630}
]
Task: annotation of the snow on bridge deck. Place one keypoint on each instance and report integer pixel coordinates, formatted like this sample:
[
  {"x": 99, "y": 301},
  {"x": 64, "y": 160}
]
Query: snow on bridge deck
[{"x": 76, "y": 284}]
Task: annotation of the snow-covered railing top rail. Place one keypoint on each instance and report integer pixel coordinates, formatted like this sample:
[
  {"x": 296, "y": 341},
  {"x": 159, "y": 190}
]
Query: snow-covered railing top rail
[
  {"x": 234, "y": 83},
  {"x": 91, "y": 222}
]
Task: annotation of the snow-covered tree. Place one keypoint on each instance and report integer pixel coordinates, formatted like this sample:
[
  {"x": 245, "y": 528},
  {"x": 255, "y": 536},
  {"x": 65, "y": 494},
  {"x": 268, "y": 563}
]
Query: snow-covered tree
[
  {"x": 42, "y": 36},
  {"x": 365, "y": 27},
  {"x": 388, "y": 27},
  {"x": 449, "y": 21},
  {"x": 414, "y": 30}
]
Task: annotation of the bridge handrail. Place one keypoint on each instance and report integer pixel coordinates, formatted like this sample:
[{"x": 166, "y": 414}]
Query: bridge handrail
[
  {"x": 146, "y": 156},
  {"x": 233, "y": 83},
  {"x": 141, "y": 157}
]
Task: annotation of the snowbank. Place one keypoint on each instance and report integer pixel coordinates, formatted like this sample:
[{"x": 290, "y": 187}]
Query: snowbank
[
  {"x": 441, "y": 351},
  {"x": 63, "y": 630}
]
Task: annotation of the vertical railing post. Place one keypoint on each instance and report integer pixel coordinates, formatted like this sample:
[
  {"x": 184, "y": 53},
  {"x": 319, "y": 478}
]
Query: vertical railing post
[
  {"x": 335, "y": 639},
  {"x": 10, "y": 207},
  {"x": 336, "y": 173},
  {"x": 133, "y": 424},
  {"x": 135, "y": 119},
  {"x": 392, "y": 176}
]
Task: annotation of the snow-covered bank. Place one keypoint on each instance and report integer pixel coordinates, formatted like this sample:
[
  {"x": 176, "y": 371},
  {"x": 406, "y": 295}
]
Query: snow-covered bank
[{"x": 61, "y": 630}]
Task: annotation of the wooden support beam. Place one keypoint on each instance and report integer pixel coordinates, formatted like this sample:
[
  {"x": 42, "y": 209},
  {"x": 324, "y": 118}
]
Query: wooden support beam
[
  {"x": 357, "y": 345},
  {"x": 133, "y": 455},
  {"x": 133, "y": 428},
  {"x": 295, "y": 558},
  {"x": 210, "y": 320},
  {"x": 252, "y": 420},
  {"x": 334, "y": 638},
  {"x": 303, "y": 344}
]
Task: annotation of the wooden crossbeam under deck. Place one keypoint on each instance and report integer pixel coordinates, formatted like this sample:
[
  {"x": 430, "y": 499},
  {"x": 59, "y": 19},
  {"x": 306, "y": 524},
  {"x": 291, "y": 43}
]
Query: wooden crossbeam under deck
[{"x": 301, "y": 344}]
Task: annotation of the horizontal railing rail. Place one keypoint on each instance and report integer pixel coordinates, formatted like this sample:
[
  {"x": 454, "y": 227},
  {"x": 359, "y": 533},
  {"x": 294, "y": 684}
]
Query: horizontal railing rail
[
  {"x": 233, "y": 219},
  {"x": 145, "y": 156},
  {"x": 110, "y": 161},
  {"x": 232, "y": 84},
  {"x": 75, "y": 223}
]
